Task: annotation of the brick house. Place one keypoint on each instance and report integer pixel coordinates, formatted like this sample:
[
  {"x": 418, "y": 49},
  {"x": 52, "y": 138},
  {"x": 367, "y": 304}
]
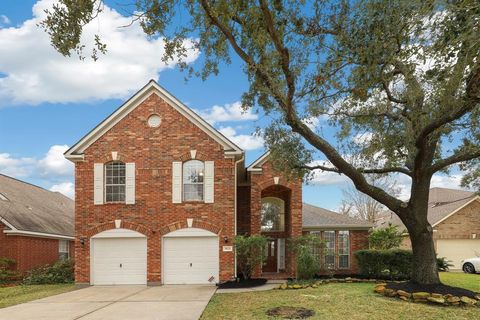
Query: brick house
[
  {"x": 455, "y": 219},
  {"x": 161, "y": 194},
  {"x": 36, "y": 225}
]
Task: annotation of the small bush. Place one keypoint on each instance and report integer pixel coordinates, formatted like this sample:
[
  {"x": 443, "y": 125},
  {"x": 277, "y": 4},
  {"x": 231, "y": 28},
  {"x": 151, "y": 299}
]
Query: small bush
[
  {"x": 443, "y": 264},
  {"x": 395, "y": 264},
  {"x": 250, "y": 253},
  {"x": 7, "y": 275},
  {"x": 60, "y": 272},
  {"x": 303, "y": 247},
  {"x": 385, "y": 238}
]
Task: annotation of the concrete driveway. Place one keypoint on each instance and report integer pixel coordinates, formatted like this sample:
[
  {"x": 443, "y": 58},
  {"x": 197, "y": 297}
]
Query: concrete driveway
[{"x": 117, "y": 303}]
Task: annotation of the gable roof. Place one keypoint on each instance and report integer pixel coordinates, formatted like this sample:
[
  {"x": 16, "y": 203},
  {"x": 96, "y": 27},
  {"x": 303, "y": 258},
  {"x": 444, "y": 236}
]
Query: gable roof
[
  {"x": 256, "y": 165},
  {"x": 314, "y": 217},
  {"x": 152, "y": 87},
  {"x": 442, "y": 203},
  {"x": 28, "y": 209}
]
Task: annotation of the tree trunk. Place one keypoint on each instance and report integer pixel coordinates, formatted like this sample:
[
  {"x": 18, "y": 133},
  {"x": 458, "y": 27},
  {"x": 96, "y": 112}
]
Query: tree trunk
[{"x": 424, "y": 268}]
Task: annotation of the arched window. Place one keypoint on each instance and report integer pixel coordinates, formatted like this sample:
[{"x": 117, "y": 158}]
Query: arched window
[
  {"x": 115, "y": 181},
  {"x": 193, "y": 173},
  {"x": 273, "y": 214}
]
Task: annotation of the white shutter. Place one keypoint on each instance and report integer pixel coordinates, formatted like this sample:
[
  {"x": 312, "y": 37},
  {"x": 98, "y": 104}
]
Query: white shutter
[
  {"x": 98, "y": 183},
  {"x": 130, "y": 183},
  {"x": 209, "y": 181},
  {"x": 281, "y": 254},
  {"x": 176, "y": 182}
]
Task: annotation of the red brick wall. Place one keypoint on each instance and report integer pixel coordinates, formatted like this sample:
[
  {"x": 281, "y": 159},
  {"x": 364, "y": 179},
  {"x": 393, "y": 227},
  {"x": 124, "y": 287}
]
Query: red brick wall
[
  {"x": 28, "y": 252},
  {"x": 243, "y": 210},
  {"x": 153, "y": 150},
  {"x": 263, "y": 185}
]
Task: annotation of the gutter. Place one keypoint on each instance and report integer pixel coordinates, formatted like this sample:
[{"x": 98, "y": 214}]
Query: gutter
[
  {"x": 37, "y": 234},
  {"x": 235, "y": 208}
]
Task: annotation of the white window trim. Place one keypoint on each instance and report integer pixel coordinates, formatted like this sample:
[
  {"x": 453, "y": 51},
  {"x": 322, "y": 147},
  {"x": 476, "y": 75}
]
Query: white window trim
[
  {"x": 105, "y": 182},
  {"x": 183, "y": 182},
  {"x": 347, "y": 249},
  {"x": 327, "y": 249},
  {"x": 67, "y": 247}
]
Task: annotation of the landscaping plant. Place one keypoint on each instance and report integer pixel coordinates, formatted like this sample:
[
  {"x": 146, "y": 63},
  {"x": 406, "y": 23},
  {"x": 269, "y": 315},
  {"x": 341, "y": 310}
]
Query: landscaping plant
[
  {"x": 385, "y": 238},
  {"x": 251, "y": 253},
  {"x": 305, "y": 250},
  {"x": 61, "y": 271},
  {"x": 355, "y": 87},
  {"x": 7, "y": 275}
]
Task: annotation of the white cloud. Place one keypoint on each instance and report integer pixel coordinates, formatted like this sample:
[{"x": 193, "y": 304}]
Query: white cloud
[
  {"x": 227, "y": 112},
  {"x": 319, "y": 177},
  {"x": 53, "y": 170},
  {"x": 246, "y": 142},
  {"x": 4, "y": 20},
  {"x": 311, "y": 122},
  {"x": 66, "y": 188},
  {"x": 36, "y": 73}
]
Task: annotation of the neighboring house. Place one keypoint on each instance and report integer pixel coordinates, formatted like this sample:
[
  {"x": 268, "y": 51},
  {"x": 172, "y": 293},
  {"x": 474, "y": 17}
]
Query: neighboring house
[
  {"x": 36, "y": 225},
  {"x": 160, "y": 195},
  {"x": 455, "y": 218}
]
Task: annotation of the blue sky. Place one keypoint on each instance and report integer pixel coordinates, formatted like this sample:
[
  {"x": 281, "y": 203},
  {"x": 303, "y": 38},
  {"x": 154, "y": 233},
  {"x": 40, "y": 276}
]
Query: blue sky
[{"x": 48, "y": 102}]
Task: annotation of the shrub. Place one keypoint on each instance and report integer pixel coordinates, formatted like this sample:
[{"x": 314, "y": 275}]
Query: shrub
[
  {"x": 385, "y": 238},
  {"x": 393, "y": 264},
  {"x": 250, "y": 253},
  {"x": 443, "y": 264},
  {"x": 8, "y": 275},
  {"x": 303, "y": 247},
  {"x": 60, "y": 272}
]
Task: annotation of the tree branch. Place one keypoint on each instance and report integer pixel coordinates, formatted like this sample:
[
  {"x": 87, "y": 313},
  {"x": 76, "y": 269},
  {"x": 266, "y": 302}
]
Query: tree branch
[
  {"x": 362, "y": 170},
  {"x": 456, "y": 158}
]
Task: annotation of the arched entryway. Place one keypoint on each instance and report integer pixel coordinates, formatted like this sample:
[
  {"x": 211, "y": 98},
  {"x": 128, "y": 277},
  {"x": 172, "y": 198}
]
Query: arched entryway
[
  {"x": 118, "y": 256},
  {"x": 190, "y": 256}
]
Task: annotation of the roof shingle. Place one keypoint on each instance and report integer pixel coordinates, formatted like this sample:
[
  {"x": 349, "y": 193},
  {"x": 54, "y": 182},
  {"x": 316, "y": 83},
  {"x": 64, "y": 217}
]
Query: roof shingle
[{"x": 316, "y": 217}]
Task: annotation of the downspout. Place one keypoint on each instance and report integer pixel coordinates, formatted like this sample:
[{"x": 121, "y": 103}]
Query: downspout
[{"x": 235, "y": 208}]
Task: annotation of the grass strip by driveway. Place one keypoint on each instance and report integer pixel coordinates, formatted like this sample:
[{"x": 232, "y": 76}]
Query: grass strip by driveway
[
  {"x": 340, "y": 301},
  {"x": 10, "y": 296}
]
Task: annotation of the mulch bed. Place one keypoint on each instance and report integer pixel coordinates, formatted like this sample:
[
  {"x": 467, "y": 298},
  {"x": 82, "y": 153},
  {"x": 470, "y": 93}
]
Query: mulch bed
[
  {"x": 411, "y": 287},
  {"x": 250, "y": 283},
  {"x": 290, "y": 312}
]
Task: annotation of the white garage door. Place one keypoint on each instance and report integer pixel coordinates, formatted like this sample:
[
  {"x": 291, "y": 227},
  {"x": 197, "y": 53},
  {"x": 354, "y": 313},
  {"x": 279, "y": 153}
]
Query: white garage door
[
  {"x": 458, "y": 250},
  {"x": 119, "y": 260},
  {"x": 190, "y": 256}
]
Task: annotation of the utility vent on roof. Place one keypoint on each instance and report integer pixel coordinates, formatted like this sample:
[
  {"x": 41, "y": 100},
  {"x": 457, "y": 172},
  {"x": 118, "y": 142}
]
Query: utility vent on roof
[{"x": 2, "y": 197}]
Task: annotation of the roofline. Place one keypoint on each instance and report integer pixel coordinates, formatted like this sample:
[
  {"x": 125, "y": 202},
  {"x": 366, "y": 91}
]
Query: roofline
[
  {"x": 37, "y": 234},
  {"x": 336, "y": 227},
  {"x": 75, "y": 153},
  {"x": 15, "y": 231},
  {"x": 475, "y": 198},
  {"x": 259, "y": 162}
]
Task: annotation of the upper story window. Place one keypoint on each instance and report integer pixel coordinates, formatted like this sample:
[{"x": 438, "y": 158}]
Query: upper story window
[
  {"x": 272, "y": 214},
  {"x": 193, "y": 180},
  {"x": 115, "y": 182}
]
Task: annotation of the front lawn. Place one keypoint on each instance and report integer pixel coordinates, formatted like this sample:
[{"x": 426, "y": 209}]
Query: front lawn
[
  {"x": 10, "y": 296},
  {"x": 340, "y": 301}
]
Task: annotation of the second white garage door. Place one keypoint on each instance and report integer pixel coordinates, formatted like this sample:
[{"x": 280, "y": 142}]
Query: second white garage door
[
  {"x": 119, "y": 257},
  {"x": 458, "y": 250},
  {"x": 190, "y": 256}
]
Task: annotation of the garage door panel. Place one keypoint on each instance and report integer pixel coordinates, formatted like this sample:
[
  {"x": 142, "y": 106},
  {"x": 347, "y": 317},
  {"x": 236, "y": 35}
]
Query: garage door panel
[
  {"x": 190, "y": 260},
  {"x": 119, "y": 261},
  {"x": 457, "y": 250}
]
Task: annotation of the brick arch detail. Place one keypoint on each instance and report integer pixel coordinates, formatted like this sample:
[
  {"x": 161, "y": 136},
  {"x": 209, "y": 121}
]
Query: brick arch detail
[
  {"x": 124, "y": 224},
  {"x": 197, "y": 223},
  {"x": 199, "y": 156},
  {"x": 260, "y": 186},
  {"x": 107, "y": 157}
]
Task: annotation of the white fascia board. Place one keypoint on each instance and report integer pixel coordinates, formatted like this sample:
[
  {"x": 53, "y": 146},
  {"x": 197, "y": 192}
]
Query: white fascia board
[
  {"x": 476, "y": 198},
  {"x": 5, "y": 222},
  {"x": 76, "y": 151},
  {"x": 37, "y": 234},
  {"x": 259, "y": 162}
]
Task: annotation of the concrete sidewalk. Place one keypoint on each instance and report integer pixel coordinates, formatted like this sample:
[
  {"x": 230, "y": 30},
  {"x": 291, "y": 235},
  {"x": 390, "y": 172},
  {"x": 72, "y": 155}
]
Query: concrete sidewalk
[{"x": 185, "y": 302}]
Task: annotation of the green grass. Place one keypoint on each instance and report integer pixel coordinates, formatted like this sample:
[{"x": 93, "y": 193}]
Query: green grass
[
  {"x": 10, "y": 296},
  {"x": 340, "y": 301}
]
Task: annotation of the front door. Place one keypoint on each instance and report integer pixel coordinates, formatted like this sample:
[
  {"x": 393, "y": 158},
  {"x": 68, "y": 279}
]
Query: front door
[{"x": 271, "y": 263}]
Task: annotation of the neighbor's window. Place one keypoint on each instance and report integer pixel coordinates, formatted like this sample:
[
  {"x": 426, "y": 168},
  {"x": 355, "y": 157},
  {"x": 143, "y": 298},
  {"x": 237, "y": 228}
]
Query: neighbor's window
[
  {"x": 273, "y": 214},
  {"x": 329, "y": 237},
  {"x": 193, "y": 172},
  {"x": 63, "y": 249},
  {"x": 115, "y": 182},
  {"x": 343, "y": 249}
]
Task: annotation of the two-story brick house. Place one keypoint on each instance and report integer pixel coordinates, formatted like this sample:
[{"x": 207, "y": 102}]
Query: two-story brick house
[{"x": 160, "y": 195}]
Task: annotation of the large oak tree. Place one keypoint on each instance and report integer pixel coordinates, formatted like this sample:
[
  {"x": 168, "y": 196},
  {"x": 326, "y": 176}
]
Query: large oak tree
[{"x": 405, "y": 73}]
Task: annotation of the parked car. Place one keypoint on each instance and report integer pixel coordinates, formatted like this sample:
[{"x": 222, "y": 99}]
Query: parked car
[{"x": 471, "y": 265}]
